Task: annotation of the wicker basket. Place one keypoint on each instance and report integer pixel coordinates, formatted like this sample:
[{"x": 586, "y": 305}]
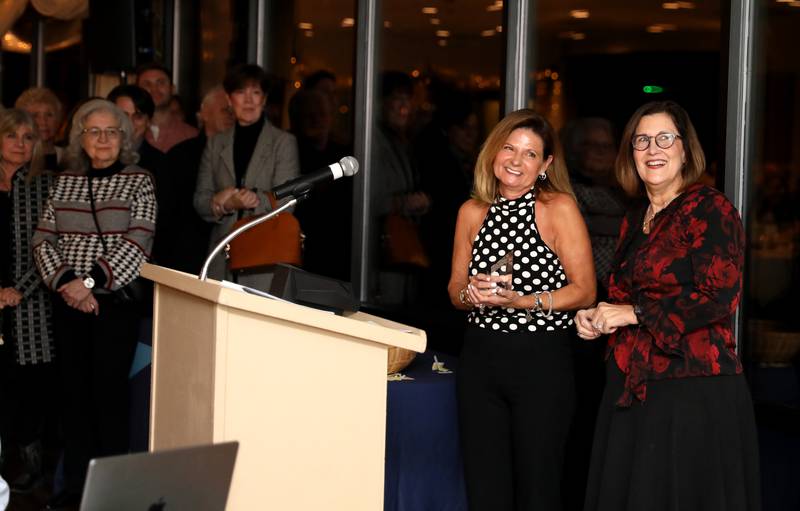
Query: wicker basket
[
  {"x": 399, "y": 358},
  {"x": 775, "y": 347}
]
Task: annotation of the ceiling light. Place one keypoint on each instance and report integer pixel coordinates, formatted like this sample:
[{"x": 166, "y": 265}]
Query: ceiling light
[
  {"x": 577, "y": 36},
  {"x": 660, "y": 28},
  {"x": 686, "y": 5},
  {"x": 348, "y": 22},
  {"x": 435, "y": 21},
  {"x": 498, "y": 29},
  {"x": 442, "y": 33},
  {"x": 430, "y": 10},
  {"x": 387, "y": 24},
  {"x": 309, "y": 33},
  {"x": 672, "y": 6},
  {"x": 580, "y": 14},
  {"x": 304, "y": 25},
  {"x": 496, "y": 6},
  {"x": 442, "y": 42},
  {"x": 488, "y": 33}
]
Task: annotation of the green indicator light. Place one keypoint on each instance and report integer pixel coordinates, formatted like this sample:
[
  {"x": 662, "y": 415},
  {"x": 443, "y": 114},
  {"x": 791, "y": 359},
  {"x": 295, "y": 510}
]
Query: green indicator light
[{"x": 652, "y": 89}]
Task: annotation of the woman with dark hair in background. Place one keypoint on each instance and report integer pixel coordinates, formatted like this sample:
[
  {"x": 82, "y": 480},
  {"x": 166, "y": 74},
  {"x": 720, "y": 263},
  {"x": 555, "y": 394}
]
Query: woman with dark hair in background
[
  {"x": 675, "y": 428},
  {"x": 28, "y": 354},
  {"x": 92, "y": 239},
  {"x": 241, "y": 165},
  {"x": 515, "y": 379},
  {"x": 47, "y": 111}
]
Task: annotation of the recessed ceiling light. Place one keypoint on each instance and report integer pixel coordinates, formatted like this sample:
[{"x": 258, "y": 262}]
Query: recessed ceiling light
[
  {"x": 577, "y": 36},
  {"x": 304, "y": 25},
  {"x": 348, "y": 22},
  {"x": 498, "y": 29},
  {"x": 672, "y": 6},
  {"x": 387, "y": 24},
  {"x": 309, "y": 33},
  {"x": 442, "y": 42},
  {"x": 442, "y": 33},
  {"x": 435, "y": 21},
  {"x": 430, "y": 10},
  {"x": 580, "y": 14},
  {"x": 496, "y": 6},
  {"x": 686, "y": 5},
  {"x": 488, "y": 33}
]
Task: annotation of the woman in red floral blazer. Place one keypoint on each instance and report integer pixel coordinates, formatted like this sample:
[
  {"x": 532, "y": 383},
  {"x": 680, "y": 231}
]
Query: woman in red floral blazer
[{"x": 675, "y": 428}]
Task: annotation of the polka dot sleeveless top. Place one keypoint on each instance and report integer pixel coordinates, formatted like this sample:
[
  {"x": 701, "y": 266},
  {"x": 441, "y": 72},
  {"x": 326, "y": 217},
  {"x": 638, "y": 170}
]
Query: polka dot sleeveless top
[{"x": 510, "y": 226}]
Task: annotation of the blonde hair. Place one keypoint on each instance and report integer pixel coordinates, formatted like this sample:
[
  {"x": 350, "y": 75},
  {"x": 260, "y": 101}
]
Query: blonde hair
[
  {"x": 76, "y": 156},
  {"x": 40, "y": 95},
  {"x": 10, "y": 121},
  {"x": 695, "y": 164},
  {"x": 485, "y": 182}
]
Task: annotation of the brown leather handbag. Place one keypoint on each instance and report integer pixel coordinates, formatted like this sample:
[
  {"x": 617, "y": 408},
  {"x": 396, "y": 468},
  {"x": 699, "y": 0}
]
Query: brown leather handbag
[{"x": 278, "y": 240}]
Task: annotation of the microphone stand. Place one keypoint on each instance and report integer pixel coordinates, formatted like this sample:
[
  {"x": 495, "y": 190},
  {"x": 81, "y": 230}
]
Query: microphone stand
[{"x": 242, "y": 228}]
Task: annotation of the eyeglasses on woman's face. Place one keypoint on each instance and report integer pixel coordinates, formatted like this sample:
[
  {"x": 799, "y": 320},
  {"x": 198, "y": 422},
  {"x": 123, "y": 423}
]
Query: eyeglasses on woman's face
[
  {"x": 664, "y": 140},
  {"x": 111, "y": 133}
]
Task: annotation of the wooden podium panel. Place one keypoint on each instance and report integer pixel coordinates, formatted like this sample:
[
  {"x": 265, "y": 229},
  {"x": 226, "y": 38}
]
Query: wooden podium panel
[{"x": 303, "y": 391}]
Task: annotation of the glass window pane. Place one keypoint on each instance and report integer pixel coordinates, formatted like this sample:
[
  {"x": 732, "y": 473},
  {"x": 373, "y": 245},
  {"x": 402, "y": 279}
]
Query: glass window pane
[
  {"x": 771, "y": 332},
  {"x": 311, "y": 53},
  {"x": 438, "y": 93}
]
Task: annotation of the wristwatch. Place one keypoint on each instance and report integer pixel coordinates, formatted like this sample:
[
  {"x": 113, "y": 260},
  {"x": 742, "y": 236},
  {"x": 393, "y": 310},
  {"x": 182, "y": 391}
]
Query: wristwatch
[
  {"x": 637, "y": 311},
  {"x": 88, "y": 282}
]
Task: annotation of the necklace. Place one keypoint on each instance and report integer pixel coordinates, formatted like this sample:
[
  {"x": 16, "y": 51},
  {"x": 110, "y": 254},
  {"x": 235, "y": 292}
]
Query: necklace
[{"x": 650, "y": 215}]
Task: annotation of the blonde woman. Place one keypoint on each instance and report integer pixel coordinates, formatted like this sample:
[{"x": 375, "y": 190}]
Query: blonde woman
[{"x": 515, "y": 381}]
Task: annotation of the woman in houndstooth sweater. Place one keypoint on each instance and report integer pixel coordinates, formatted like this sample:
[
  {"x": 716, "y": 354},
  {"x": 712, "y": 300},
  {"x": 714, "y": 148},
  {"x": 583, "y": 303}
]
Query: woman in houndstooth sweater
[{"x": 95, "y": 233}]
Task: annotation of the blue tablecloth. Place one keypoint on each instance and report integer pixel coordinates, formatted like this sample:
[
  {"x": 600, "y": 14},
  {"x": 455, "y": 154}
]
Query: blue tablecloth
[{"x": 423, "y": 457}]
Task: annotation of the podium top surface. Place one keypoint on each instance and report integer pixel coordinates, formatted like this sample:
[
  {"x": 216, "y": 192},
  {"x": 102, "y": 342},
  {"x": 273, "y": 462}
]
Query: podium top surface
[{"x": 355, "y": 324}]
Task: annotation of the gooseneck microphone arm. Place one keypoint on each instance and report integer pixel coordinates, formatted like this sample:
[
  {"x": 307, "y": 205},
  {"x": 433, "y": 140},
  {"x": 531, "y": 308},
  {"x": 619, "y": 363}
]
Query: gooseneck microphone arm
[{"x": 242, "y": 228}]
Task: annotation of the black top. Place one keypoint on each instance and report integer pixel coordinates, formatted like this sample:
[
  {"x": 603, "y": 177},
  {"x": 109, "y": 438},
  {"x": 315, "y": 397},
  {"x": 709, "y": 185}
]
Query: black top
[
  {"x": 244, "y": 143},
  {"x": 5, "y": 234}
]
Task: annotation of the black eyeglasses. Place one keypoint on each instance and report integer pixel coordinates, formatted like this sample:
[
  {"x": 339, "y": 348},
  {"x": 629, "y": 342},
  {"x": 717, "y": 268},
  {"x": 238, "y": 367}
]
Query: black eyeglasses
[{"x": 664, "y": 140}]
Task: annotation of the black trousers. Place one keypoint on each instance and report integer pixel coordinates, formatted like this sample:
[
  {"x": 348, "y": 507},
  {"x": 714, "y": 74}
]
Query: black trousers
[
  {"x": 28, "y": 396},
  {"x": 96, "y": 354},
  {"x": 516, "y": 394}
]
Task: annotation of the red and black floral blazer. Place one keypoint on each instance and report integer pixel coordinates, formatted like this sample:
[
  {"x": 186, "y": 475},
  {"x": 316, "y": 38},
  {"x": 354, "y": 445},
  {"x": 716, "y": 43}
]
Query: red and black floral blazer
[{"x": 686, "y": 276}]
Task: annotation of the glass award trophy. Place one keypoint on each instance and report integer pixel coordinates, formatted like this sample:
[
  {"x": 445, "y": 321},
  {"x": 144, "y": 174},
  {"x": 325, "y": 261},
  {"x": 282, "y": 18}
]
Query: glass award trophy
[{"x": 504, "y": 266}]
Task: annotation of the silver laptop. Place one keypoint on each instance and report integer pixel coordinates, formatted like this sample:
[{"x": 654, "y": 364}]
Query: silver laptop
[{"x": 195, "y": 478}]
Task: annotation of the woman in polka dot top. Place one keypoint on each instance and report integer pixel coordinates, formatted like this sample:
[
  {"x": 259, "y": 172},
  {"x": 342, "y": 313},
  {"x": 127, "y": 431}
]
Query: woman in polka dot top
[{"x": 522, "y": 262}]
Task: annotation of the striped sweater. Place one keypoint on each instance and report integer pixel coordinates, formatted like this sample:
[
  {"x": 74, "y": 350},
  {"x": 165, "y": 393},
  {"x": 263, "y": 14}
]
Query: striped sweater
[{"x": 67, "y": 245}]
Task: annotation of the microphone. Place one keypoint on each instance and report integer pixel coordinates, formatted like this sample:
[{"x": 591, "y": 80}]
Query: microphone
[{"x": 300, "y": 186}]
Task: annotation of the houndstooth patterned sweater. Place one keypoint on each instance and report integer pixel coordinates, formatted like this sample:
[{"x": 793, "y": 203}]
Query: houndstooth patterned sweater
[{"x": 66, "y": 243}]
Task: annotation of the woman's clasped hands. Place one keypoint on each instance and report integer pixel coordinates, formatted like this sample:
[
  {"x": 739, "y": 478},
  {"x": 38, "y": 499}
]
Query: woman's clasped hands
[
  {"x": 491, "y": 291},
  {"x": 603, "y": 319},
  {"x": 78, "y": 296}
]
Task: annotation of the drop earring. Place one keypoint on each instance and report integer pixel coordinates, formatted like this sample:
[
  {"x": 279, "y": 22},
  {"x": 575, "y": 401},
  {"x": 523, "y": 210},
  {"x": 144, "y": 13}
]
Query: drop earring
[{"x": 543, "y": 176}]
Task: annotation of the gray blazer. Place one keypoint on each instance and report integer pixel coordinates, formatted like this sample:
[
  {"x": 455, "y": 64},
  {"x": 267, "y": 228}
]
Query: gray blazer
[{"x": 274, "y": 161}]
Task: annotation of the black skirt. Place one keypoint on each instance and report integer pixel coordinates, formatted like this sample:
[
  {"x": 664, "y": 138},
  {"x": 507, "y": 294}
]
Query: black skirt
[{"x": 691, "y": 445}]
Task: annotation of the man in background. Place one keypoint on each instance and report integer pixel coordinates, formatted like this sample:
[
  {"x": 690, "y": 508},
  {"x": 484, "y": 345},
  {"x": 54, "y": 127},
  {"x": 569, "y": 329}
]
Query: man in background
[{"x": 165, "y": 129}]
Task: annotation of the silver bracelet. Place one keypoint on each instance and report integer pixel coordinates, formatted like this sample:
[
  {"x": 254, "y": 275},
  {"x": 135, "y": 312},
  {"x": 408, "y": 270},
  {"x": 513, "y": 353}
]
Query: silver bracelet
[{"x": 549, "y": 314}]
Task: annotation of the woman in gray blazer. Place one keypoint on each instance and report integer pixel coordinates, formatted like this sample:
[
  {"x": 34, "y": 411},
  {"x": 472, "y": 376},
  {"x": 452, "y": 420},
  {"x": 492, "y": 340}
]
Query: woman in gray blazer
[{"x": 240, "y": 165}]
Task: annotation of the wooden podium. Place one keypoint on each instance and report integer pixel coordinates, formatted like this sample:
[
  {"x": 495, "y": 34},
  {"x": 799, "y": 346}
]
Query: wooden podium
[{"x": 302, "y": 390}]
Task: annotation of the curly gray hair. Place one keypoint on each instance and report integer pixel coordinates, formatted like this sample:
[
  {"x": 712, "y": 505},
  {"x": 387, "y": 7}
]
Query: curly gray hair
[{"x": 77, "y": 159}]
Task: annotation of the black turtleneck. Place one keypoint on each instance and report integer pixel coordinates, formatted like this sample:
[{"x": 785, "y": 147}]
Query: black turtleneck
[
  {"x": 244, "y": 143},
  {"x": 112, "y": 169}
]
